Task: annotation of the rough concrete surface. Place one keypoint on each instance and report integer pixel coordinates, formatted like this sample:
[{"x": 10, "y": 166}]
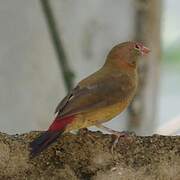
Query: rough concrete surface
[{"x": 87, "y": 156}]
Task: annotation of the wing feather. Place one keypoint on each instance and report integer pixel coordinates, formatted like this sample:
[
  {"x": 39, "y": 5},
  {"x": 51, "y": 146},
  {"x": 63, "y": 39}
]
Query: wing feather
[{"x": 95, "y": 94}]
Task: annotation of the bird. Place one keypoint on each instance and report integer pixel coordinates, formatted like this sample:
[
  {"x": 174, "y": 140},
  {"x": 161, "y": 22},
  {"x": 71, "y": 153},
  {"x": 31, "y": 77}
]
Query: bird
[{"x": 98, "y": 98}]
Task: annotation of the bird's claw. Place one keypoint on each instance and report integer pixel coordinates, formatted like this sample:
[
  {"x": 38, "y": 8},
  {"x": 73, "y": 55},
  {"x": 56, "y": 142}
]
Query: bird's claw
[
  {"x": 116, "y": 133},
  {"x": 118, "y": 136}
]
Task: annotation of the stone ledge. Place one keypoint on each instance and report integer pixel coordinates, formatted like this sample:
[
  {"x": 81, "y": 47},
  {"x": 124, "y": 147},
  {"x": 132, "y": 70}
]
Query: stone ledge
[{"x": 87, "y": 156}]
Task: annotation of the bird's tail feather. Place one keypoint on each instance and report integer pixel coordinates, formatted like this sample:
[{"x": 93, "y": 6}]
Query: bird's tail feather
[
  {"x": 48, "y": 137},
  {"x": 43, "y": 141}
]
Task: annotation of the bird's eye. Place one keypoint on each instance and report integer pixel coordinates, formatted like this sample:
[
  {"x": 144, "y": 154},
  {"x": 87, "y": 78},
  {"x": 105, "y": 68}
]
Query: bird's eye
[{"x": 137, "y": 47}]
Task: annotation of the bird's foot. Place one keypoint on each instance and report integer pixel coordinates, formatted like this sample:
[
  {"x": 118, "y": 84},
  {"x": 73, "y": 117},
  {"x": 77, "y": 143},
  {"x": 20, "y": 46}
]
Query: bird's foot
[{"x": 118, "y": 135}]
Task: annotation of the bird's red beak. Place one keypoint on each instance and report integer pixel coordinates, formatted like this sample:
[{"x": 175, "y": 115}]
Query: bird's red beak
[{"x": 144, "y": 50}]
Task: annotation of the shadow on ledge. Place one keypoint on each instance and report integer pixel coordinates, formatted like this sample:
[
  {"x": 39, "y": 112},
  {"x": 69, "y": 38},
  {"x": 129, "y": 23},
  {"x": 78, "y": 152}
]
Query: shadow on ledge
[{"x": 87, "y": 156}]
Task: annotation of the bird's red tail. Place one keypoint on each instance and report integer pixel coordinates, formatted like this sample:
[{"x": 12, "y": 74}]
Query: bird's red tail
[{"x": 48, "y": 137}]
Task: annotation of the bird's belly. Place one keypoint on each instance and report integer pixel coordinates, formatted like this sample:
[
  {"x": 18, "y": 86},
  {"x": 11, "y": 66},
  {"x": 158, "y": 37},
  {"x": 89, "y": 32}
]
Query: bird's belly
[{"x": 102, "y": 115}]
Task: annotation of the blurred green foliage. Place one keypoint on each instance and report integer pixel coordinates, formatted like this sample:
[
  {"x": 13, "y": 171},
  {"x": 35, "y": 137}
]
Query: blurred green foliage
[{"x": 171, "y": 55}]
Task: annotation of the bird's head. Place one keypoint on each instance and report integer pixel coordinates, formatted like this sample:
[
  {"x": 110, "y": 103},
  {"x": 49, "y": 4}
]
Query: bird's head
[{"x": 126, "y": 53}]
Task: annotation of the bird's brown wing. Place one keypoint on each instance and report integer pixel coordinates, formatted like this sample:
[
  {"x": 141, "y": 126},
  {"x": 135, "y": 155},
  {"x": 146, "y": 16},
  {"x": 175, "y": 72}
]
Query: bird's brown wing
[{"x": 95, "y": 94}]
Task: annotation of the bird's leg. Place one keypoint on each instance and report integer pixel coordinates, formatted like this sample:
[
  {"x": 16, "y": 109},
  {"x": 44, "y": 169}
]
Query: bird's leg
[{"x": 116, "y": 133}]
